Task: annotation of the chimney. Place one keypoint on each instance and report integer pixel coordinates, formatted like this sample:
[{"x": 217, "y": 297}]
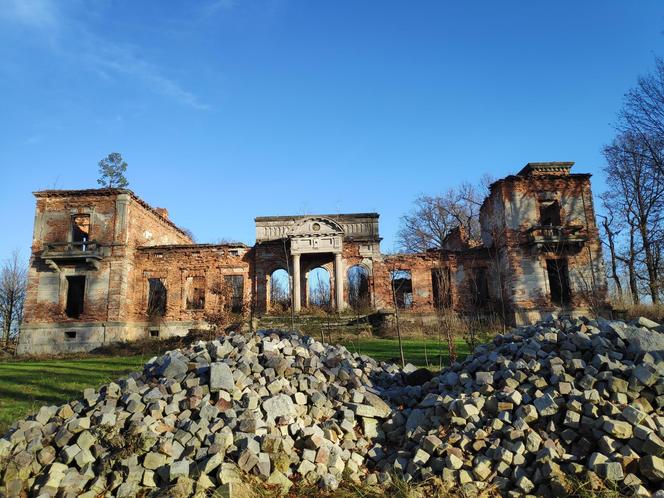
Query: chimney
[{"x": 163, "y": 212}]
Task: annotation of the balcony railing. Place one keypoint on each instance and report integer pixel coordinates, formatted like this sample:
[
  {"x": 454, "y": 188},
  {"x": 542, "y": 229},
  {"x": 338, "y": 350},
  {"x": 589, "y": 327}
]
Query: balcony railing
[
  {"x": 88, "y": 249},
  {"x": 556, "y": 236}
]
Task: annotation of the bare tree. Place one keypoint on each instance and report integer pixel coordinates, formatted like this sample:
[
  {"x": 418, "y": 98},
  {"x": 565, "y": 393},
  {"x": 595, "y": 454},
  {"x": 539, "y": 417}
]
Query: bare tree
[
  {"x": 279, "y": 293},
  {"x": 630, "y": 261},
  {"x": 642, "y": 114},
  {"x": 632, "y": 172},
  {"x": 319, "y": 289},
  {"x": 611, "y": 230},
  {"x": 13, "y": 283},
  {"x": 434, "y": 217},
  {"x": 442, "y": 282}
]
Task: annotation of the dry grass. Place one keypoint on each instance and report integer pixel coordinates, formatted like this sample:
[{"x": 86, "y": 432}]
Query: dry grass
[
  {"x": 653, "y": 312},
  {"x": 397, "y": 488}
]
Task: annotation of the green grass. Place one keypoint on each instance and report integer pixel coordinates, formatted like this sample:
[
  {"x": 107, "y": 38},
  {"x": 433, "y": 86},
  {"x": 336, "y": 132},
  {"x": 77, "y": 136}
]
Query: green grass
[
  {"x": 25, "y": 385},
  {"x": 415, "y": 351}
]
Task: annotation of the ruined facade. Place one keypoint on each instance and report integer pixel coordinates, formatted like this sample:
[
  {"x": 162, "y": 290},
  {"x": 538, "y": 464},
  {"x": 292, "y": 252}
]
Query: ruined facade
[{"x": 107, "y": 267}]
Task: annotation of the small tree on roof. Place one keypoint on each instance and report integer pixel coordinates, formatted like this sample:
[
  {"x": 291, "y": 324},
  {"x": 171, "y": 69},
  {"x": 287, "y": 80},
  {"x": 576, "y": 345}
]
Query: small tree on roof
[{"x": 111, "y": 171}]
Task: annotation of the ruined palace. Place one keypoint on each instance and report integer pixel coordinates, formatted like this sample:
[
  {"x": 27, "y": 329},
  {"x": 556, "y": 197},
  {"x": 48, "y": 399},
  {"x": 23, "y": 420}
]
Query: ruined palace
[{"x": 106, "y": 266}]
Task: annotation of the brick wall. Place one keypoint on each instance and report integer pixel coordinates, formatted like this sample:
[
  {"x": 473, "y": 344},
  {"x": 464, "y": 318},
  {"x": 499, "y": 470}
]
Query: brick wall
[{"x": 175, "y": 264}]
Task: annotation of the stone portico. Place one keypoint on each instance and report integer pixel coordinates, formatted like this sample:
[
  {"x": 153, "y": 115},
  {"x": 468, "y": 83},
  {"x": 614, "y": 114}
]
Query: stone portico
[{"x": 309, "y": 242}]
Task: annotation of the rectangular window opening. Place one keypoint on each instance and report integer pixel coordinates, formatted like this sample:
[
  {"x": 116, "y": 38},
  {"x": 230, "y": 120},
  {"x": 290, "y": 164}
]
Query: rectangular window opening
[
  {"x": 558, "y": 275},
  {"x": 70, "y": 334},
  {"x": 80, "y": 231},
  {"x": 549, "y": 212},
  {"x": 402, "y": 288},
  {"x": 480, "y": 290},
  {"x": 75, "y": 296},
  {"x": 157, "y": 296},
  {"x": 235, "y": 284},
  {"x": 441, "y": 284},
  {"x": 195, "y": 293},
  {"x": 154, "y": 333}
]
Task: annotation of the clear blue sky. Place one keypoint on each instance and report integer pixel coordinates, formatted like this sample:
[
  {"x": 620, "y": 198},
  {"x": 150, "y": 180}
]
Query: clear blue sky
[{"x": 230, "y": 109}]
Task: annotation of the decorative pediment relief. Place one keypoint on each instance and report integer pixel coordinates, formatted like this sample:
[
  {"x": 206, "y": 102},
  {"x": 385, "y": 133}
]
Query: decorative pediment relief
[
  {"x": 316, "y": 234},
  {"x": 316, "y": 227}
]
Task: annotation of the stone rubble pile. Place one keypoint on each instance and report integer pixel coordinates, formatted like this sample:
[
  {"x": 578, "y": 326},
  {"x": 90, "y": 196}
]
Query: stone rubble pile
[
  {"x": 560, "y": 399},
  {"x": 578, "y": 399},
  {"x": 277, "y": 405}
]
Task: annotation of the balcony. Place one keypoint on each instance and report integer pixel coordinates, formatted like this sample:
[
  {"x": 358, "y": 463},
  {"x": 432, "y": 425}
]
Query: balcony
[
  {"x": 550, "y": 237},
  {"x": 89, "y": 251}
]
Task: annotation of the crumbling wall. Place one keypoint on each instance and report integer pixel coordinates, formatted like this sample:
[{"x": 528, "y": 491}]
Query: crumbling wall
[
  {"x": 45, "y": 297},
  {"x": 149, "y": 226},
  {"x": 528, "y": 285},
  {"x": 175, "y": 264},
  {"x": 268, "y": 257}
]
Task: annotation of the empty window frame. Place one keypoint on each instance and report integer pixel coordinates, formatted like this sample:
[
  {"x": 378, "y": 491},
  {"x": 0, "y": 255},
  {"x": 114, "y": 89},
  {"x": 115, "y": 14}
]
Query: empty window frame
[
  {"x": 558, "y": 274},
  {"x": 75, "y": 296},
  {"x": 358, "y": 287},
  {"x": 80, "y": 231},
  {"x": 195, "y": 289},
  {"x": 479, "y": 287},
  {"x": 441, "y": 286},
  {"x": 157, "y": 296},
  {"x": 549, "y": 213},
  {"x": 235, "y": 286},
  {"x": 402, "y": 289}
]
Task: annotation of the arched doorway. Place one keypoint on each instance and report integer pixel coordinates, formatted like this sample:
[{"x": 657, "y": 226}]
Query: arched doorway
[
  {"x": 279, "y": 291},
  {"x": 319, "y": 288},
  {"x": 358, "y": 288}
]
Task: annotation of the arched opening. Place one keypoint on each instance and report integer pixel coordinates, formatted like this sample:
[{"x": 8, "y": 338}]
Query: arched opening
[
  {"x": 279, "y": 291},
  {"x": 358, "y": 288},
  {"x": 319, "y": 288}
]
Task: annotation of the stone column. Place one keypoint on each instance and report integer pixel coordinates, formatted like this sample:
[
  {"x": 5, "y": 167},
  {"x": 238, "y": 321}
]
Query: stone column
[
  {"x": 297, "y": 294},
  {"x": 338, "y": 282}
]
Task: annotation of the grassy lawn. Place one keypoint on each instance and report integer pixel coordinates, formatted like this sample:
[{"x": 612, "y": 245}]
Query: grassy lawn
[
  {"x": 27, "y": 385},
  {"x": 415, "y": 351}
]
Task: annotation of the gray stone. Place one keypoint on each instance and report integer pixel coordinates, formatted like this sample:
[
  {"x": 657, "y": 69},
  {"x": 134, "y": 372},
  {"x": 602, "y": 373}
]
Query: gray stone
[
  {"x": 280, "y": 405},
  {"x": 653, "y": 468},
  {"x": 173, "y": 367},
  {"x": 279, "y": 479},
  {"x": 178, "y": 469},
  {"x": 611, "y": 471},
  {"x": 221, "y": 377},
  {"x": 484, "y": 378},
  {"x": 546, "y": 406},
  {"x": 618, "y": 429}
]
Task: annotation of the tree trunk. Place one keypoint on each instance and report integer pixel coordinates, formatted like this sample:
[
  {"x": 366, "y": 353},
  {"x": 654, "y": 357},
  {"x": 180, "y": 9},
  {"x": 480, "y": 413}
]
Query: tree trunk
[
  {"x": 612, "y": 252},
  {"x": 8, "y": 319},
  {"x": 396, "y": 315},
  {"x": 650, "y": 266},
  {"x": 632, "y": 270}
]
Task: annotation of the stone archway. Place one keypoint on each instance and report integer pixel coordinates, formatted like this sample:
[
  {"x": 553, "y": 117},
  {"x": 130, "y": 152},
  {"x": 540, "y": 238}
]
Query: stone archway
[
  {"x": 279, "y": 290},
  {"x": 316, "y": 236}
]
